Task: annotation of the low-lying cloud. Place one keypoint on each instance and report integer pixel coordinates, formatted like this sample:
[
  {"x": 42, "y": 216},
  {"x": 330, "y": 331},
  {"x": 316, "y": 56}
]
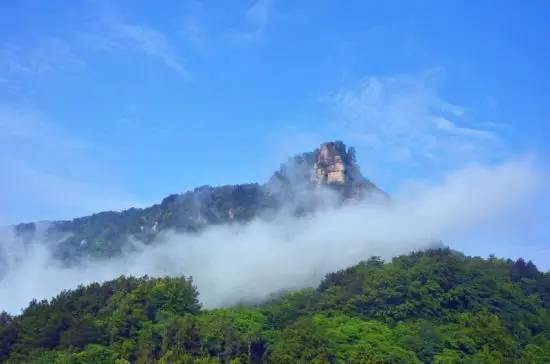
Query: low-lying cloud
[{"x": 249, "y": 262}]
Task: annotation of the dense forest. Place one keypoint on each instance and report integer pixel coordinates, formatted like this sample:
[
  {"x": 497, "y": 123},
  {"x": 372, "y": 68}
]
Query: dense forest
[{"x": 433, "y": 306}]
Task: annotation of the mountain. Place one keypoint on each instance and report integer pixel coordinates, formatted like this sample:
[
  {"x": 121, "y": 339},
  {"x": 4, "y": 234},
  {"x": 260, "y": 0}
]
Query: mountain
[
  {"x": 299, "y": 185},
  {"x": 431, "y": 306},
  {"x": 435, "y": 306}
]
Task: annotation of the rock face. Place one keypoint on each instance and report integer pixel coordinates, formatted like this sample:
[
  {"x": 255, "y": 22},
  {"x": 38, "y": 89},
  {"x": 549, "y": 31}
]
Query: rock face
[{"x": 332, "y": 164}]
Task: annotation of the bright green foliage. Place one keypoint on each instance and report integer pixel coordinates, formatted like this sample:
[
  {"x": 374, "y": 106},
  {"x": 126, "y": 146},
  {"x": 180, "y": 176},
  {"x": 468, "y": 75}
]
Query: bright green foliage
[
  {"x": 93, "y": 354},
  {"x": 338, "y": 338},
  {"x": 436, "y": 306}
]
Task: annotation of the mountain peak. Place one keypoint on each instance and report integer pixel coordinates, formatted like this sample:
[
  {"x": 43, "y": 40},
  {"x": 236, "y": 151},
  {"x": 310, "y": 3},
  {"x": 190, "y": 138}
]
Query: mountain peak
[
  {"x": 294, "y": 186},
  {"x": 331, "y": 165},
  {"x": 334, "y": 164}
]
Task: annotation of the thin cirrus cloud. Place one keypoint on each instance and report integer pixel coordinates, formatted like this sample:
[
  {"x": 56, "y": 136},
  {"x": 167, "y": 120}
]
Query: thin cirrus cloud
[
  {"x": 257, "y": 18},
  {"x": 46, "y": 54},
  {"x": 147, "y": 41},
  {"x": 113, "y": 31},
  {"x": 194, "y": 24},
  {"x": 118, "y": 34},
  {"x": 252, "y": 23},
  {"x": 407, "y": 118}
]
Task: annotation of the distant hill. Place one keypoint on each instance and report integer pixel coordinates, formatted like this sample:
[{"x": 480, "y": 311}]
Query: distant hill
[{"x": 295, "y": 185}]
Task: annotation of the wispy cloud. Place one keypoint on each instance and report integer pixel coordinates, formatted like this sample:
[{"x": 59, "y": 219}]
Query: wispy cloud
[
  {"x": 44, "y": 55},
  {"x": 451, "y": 128},
  {"x": 306, "y": 245},
  {"x": 109, "y": 32},
  {"x": 117, "y": 33},
  {"x": 194, "y": 24},
  {"x": 406, "y": 117},
  {"x": 257, "y": 18},
  {"x": 149, "y": 42}
]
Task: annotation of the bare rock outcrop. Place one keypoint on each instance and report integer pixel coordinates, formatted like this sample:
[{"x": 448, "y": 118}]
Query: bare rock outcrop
[{"x": 332, "y": 164}]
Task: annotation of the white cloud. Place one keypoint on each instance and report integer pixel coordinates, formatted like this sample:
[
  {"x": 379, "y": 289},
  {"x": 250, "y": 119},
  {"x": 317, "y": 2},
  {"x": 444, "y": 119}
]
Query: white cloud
[
  {"x": 259, "y": 12},
  {"x": 116, "y": 33},
  {"x": 405, "y": 117},
  {"x": 194, "y": 29},
  {"x": 148, "y": 41},
  {"x": 110, "y": 32},
  {"x": 451, "y": 128},
  {"x": 232, "y": 263},
  {"x": 257, "y": 19},
  {"x": 44, "y": 55}
]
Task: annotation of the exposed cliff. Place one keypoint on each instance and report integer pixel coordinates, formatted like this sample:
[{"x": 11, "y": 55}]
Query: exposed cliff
[{"x": 331, "y": 165}]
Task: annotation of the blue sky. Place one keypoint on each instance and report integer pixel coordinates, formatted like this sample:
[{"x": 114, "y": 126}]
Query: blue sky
[{"x": 110, "y": 104}]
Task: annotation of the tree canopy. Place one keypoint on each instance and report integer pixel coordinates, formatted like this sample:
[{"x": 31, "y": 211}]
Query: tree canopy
[{"x": 435, "y": 306}]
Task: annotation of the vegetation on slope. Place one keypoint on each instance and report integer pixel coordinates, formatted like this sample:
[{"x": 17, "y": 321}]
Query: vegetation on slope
[
  {"x": 298, "y": 180},
  {"x": 434, "y": 306}
]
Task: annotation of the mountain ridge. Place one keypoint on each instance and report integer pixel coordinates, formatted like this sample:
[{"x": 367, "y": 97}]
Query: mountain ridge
[{"x": 298, "y": 181}]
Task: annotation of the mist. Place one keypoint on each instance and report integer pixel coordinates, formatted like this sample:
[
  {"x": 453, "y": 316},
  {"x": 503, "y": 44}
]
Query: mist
[{"x": 235, "y": 263}]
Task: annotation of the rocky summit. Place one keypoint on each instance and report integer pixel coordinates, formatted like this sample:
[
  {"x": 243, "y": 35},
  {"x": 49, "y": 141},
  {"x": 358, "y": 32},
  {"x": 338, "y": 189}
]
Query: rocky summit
[{"x": 332, "y": 166}]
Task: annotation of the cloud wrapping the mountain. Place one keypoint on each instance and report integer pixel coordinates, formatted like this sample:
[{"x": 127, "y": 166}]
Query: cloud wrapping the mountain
[{"x": 248, "y": 262}]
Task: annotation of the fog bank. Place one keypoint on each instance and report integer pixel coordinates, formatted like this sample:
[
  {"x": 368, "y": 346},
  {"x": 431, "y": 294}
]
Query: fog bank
[{"x": 248, "y": 262}]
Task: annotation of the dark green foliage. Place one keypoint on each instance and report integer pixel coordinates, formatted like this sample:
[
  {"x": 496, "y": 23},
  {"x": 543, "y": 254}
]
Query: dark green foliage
[
  {"x": 433, "y": 306},
  {"x": 8, "y": 334},
  {"x": 103, "y": 234},
  {"x": 111, "y": 314}
]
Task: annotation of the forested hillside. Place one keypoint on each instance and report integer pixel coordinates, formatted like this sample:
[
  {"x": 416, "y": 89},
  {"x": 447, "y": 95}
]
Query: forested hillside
[
  {"x": 295, "y": 186},
  {"x": 433, "y": 306}
]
